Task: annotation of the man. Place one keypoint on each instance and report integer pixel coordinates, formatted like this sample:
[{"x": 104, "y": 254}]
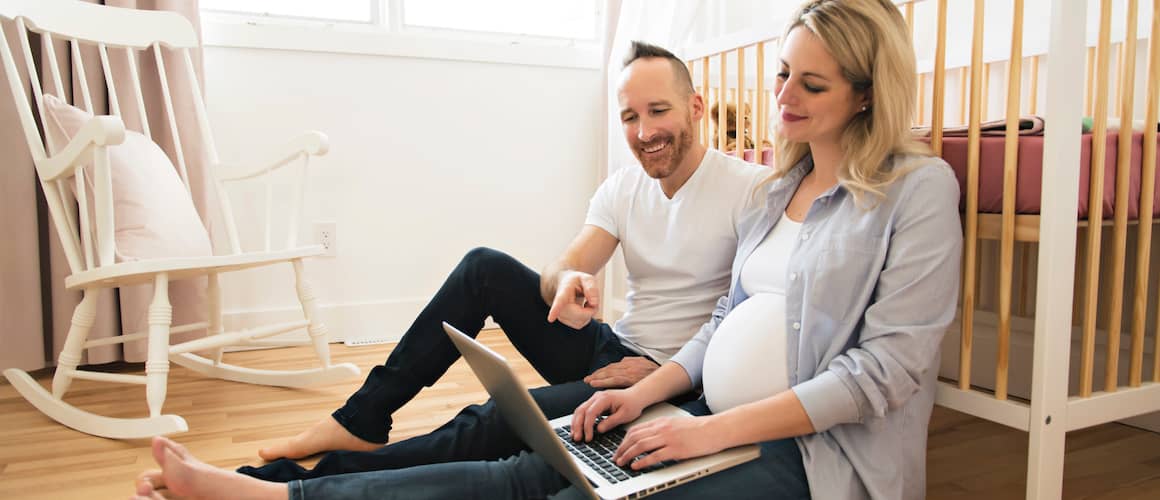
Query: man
[{"x": 674, "y": 220}]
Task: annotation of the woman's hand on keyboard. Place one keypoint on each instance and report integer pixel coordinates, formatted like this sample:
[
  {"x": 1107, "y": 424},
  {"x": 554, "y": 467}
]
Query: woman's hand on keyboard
[
  {"x": 667, "y": 439},
  {"x": 620, "y": 406}
]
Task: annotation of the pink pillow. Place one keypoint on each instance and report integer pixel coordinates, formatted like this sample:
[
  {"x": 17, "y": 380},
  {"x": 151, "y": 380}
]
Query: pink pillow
[{"x": 153, "y": 214}]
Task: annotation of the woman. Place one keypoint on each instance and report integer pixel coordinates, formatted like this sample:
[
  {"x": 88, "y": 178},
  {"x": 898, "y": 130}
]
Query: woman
[{"x": 826, "y": 350}]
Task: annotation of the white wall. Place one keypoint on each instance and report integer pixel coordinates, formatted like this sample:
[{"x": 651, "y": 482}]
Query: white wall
[{"x": 428, "y": 159}]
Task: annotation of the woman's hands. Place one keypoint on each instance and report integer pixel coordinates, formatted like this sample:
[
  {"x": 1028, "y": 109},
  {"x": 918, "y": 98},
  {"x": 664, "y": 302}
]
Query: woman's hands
[
  {"x": 657, "y": 440},
  {"x": 622, "y": 406},
  {"x": 668, "y": 439}
]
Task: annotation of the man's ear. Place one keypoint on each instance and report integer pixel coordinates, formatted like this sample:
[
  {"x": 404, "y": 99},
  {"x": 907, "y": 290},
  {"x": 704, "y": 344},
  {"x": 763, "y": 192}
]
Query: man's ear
[{"x": 696, "y": 106}]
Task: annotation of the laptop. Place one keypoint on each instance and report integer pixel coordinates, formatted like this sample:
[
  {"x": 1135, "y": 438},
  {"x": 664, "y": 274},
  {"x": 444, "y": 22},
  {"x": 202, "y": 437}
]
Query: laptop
[{"x": 586, "y": 465}]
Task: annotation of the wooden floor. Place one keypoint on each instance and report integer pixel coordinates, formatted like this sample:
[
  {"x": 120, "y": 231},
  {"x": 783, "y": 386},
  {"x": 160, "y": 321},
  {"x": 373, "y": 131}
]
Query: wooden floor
[{"x": 968, "y": 458}]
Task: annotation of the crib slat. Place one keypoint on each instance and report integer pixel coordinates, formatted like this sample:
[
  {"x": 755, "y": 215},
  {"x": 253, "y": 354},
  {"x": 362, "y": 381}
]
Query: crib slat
[
  {"x": 762, "y": 116},
  {"x": 963, "y": 94},
  {"x": 986, "y": 90},
  {"x": 693, "y": 81},
  {"x": 920, "y": 117},
  {"x": 971, "y": 239},
  {"x": 910, "y": 16},
  {"x": 1119, "y": 49},
  {"x": 705, "y": 94},
  {"x": 1127, "y": 74},
  {"x": 1033, "y": 99},
  {"x": 771, "y": 99},
  {"x": 1147, "y": 191},
  {"x": 1007, "y": 240},
  {"x": 938, "y": 100},
  {"x": 1090, "y": 74},
  {"x": 1095, "y": 200},
  {"x": 1025, "y": 250},
  {"x": 721, "y": 101},
  {"x": 739, "y": 143}
]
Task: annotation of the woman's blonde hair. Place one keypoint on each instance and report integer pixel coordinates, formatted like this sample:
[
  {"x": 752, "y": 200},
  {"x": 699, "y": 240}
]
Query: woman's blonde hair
[{"x": 871, "y": 43}]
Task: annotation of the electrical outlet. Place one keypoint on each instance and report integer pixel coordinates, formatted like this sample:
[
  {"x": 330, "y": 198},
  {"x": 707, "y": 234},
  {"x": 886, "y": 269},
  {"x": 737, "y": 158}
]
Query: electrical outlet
[{"x": 326, "y": 234}]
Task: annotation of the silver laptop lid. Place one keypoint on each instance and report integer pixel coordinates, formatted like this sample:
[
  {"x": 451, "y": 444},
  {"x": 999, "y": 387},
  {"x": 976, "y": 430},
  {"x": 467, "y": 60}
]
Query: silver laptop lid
[{"x": 517, "y": 406}]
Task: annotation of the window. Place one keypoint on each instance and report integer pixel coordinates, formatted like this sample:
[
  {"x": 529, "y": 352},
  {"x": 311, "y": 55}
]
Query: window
[
  {"x": 562, "y": 33},
  {"x": 355, "y": 11},
  {"x": 573, "y": 19},
  {"x": 577, "y": 20}
]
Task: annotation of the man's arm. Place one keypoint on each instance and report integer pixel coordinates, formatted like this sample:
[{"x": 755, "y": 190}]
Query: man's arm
[{"x": 568, "y": 285}]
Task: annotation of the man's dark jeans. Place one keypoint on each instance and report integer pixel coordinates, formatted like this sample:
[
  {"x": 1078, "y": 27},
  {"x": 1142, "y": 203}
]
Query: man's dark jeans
[{"x": 485, "y": 283}]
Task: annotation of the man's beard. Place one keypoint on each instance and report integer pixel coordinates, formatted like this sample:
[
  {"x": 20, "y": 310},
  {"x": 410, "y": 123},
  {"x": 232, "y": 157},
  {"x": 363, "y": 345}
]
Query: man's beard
[{"x": 677, "y": 150}]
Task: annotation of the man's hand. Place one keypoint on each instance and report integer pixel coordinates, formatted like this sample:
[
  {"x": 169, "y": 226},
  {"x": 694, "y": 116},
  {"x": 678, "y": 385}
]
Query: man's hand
[
  {"x": 623, "y": 373},
  {"x": 621, "y": 405},
  {"x": 667, "y": 439},
  {"x": 577, "y": 299}
]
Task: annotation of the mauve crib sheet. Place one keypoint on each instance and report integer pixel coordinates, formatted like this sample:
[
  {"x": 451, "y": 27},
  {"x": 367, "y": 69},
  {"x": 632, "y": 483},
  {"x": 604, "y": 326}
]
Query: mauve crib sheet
[{"x": 1030, "y": 172}]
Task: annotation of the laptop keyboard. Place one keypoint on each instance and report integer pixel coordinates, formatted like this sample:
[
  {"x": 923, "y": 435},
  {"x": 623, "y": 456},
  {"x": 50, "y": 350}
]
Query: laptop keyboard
[{"x": 598, "y": 454}]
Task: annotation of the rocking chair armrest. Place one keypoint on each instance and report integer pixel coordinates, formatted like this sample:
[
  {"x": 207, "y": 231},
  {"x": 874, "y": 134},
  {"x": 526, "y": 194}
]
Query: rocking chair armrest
[
  {"x": 312, "y": 143},
  {"x": 98, "y": 131}
]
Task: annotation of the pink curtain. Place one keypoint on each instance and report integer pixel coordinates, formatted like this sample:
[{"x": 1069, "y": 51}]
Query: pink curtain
[{"x": 35, "y": 308}]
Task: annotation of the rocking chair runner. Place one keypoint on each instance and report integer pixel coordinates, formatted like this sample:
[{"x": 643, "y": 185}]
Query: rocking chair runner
[{"x": 85, "y": 221}]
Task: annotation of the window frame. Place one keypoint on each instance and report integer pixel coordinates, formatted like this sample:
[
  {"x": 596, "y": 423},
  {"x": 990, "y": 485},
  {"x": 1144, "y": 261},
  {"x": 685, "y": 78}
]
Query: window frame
[{"x": 388, "y": 36}]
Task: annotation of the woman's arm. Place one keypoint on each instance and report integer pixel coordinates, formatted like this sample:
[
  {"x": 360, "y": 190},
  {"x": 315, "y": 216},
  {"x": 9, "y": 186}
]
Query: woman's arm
[
  {"x": 626, "y": 405},
  {"x": 777, "y": 417}
]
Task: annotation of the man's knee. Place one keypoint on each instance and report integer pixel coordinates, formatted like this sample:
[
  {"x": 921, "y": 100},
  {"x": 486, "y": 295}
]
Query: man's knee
[
  {"x": 486, "y": 257},
  {"x": 487, "y": 265}
]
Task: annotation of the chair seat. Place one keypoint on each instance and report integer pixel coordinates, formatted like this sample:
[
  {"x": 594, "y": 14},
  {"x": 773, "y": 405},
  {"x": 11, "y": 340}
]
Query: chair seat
[{"x": 143, "y": 271}]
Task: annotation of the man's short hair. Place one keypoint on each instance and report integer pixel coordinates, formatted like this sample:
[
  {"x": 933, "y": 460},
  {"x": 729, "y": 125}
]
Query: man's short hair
[{"x": 642, "y": 50}]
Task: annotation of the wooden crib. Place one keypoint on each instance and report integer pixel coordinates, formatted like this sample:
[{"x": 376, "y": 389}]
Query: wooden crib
[{"x": 1041, "y": 289}]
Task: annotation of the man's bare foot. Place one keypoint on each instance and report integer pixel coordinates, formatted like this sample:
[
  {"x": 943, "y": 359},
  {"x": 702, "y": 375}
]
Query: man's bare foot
[
  {"x": 324, "y": 435},
  {"x": 152, "y": 477},
  {"x": 145, "y": 491},
  {"x": 187, "y": 477}
]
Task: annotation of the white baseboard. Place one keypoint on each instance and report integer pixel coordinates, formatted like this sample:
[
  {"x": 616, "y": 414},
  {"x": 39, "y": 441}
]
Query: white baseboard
[{"x": 355, "y": 323}]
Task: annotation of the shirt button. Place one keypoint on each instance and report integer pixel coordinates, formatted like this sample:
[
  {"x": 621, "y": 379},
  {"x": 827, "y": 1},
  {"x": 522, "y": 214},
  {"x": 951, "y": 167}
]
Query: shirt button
[
  {"x": 805, "y": 236},
  {"x": 797, "y": 326},
  {"x": 793, "y": 276}
]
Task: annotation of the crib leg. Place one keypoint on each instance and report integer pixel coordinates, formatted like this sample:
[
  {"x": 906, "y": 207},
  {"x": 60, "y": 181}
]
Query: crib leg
[
  {"x": 1045, "y": 461},
  {"x": 1048, "y": 419}
]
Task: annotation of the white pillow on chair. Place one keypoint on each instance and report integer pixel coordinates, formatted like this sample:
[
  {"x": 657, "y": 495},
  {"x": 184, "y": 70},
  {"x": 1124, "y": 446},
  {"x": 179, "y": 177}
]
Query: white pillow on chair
[{"x": 153, "y": 213}]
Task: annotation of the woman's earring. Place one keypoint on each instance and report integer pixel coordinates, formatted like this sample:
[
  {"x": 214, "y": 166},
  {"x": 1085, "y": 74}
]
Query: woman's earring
[{"x": 864, "y": 108}]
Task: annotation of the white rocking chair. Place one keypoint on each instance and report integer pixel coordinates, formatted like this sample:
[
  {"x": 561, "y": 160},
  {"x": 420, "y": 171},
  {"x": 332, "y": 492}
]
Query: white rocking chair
[{"x": 84, "y": 221}]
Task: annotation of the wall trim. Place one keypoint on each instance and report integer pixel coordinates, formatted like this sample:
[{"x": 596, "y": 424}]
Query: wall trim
[{"x": 356, "y": 323}]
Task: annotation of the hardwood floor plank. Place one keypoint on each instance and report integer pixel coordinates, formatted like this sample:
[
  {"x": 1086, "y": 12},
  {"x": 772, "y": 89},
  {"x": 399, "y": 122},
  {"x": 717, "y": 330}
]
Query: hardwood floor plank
[{"x": 968, "y": 458}]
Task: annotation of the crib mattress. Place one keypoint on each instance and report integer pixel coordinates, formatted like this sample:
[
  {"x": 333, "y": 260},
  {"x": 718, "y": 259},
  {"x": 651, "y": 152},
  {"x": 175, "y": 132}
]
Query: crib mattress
[{"x": 1030, "y": 172}]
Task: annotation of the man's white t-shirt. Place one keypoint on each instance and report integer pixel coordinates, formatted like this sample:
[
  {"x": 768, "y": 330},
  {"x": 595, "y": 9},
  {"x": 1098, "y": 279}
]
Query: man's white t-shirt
[{"x": 678, "y": 251}]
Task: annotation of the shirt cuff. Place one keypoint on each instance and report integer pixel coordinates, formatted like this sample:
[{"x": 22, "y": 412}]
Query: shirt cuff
[
  {"x": 691, "y": 357},
  {"x": 827, "y": 401}
]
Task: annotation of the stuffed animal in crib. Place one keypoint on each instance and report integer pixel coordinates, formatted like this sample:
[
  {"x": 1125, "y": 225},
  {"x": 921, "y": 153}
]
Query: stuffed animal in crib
[{"x": 730, "y": 125}]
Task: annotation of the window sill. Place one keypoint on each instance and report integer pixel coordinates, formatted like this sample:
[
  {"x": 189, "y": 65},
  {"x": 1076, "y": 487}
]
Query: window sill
[{"x": 329, "y": 38}]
